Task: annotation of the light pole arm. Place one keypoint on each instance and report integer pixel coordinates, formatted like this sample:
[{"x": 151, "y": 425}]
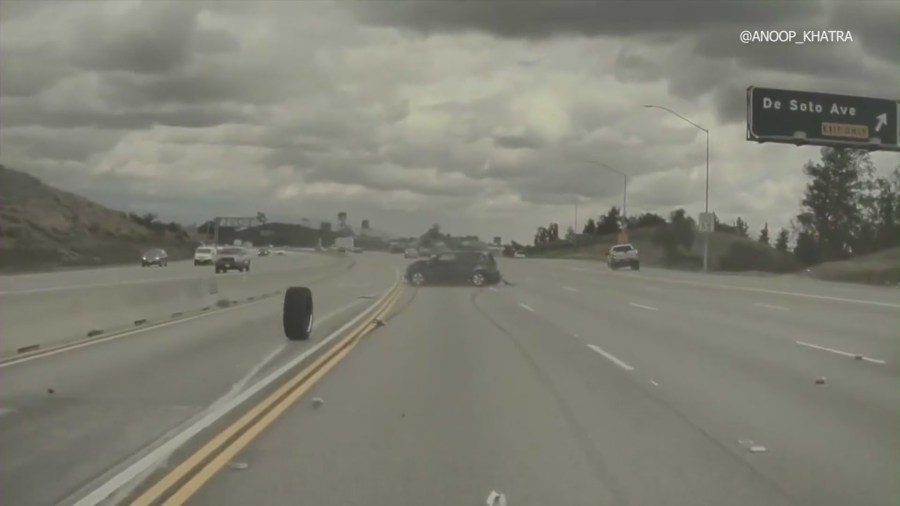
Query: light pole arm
[{"x": 670, "y": 111}]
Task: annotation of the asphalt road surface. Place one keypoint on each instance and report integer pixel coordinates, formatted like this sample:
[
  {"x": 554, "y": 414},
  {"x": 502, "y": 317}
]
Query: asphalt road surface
[
  {"x": 125, "y": 274},
  {"x": 67, "y": 418},
  {"x": 576, "y": 385}
]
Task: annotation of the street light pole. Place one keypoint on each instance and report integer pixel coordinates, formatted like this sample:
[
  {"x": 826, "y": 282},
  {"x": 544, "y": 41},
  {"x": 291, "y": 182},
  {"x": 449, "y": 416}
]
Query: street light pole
[{"x": 706, "y": 203}]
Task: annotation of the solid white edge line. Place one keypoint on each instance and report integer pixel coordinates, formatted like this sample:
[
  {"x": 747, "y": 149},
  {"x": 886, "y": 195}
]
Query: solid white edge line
[
  {"x": 764, "y": 290},
  {"x": 651, "y": 308},
  {"x": 125, "y": 476},
  {"x": 770, "y": 306},
  {"x": 612, "y": 358},
  {"x": 526, "y": 306},
  {"x": 840, "y": 352},
  {"x": 76, "y": 345}
]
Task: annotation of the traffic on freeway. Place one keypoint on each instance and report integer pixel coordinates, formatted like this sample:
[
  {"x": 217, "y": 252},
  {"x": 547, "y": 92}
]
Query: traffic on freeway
[{"x": 570, "y": 383}]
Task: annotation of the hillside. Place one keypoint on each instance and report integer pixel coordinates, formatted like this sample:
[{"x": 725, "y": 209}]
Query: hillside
[
  {"x": 880, "y": 268},
  {"x": 42, "y": 227}
]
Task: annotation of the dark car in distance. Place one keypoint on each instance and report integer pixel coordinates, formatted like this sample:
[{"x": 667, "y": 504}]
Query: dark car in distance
[
  {"x": 155, "y": 257},
  {"x": 232, "y": 259},
  {"x": 471, "y": 267}
]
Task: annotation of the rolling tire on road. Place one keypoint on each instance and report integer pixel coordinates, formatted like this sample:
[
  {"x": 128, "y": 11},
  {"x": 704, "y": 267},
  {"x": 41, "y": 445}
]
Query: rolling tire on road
[
  {"x": 479, "y": 279},
  {"x": 417, "y": 279},
  {"x": 297, "y": 315},
  {"x": 636, "y": 266}
]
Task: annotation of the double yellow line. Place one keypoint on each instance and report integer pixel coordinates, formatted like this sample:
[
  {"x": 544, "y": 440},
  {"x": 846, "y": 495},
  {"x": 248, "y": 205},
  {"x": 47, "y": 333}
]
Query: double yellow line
[{"x": 200, "y": 467}]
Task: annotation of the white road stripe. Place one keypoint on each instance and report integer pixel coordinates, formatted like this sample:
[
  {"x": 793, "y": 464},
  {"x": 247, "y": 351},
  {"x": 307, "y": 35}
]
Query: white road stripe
[
  {"x": 526, "y": 306},
  {"x": 771, "y": 306},
  {"x": 651, "y": 308},
  {"x": 839, "y": 352},
  {"x": 63, "y": 348},
  {"x": 610, "y": 357},
  {"x": 654, "y": 383},
  {"x": 570, "y": 288},
  {"x": 774, "y": 292},
  {"x": 76, "y": 345}
]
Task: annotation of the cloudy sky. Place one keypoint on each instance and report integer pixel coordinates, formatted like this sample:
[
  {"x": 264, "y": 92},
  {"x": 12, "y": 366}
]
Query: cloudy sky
[{"x": 476, "y": 115}]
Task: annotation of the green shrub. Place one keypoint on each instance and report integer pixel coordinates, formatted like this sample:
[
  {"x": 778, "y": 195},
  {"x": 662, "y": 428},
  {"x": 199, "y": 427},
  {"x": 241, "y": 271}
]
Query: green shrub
[{"x": 749, "y": 256}]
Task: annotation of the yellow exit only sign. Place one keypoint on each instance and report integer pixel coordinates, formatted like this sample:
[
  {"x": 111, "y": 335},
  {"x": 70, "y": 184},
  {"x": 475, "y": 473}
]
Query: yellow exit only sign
[{"x": 845, "y": 130}]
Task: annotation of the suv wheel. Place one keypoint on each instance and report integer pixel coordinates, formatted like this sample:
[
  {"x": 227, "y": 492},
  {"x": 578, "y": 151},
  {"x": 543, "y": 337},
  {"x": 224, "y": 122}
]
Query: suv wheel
[
  {"x": 478, "y": 279},
  {"x": 417, "y": 279}
]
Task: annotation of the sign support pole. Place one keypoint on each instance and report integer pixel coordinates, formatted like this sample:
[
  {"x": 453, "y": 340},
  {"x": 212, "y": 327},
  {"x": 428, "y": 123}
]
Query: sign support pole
[{"x": 706, "y": 209}]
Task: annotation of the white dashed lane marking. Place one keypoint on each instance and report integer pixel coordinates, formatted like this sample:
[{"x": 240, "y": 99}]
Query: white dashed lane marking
[{"x": 612, "y": 358}]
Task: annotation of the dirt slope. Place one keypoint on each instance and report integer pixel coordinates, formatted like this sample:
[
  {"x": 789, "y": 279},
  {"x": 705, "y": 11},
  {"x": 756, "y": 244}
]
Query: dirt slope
[{"x": 42, "y": 227}]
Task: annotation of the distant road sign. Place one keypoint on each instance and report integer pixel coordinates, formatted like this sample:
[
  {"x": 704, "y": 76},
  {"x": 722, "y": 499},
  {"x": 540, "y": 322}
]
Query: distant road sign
[
  {"x": 822, "y": 119},
  {"x": 707, "y": 223}
]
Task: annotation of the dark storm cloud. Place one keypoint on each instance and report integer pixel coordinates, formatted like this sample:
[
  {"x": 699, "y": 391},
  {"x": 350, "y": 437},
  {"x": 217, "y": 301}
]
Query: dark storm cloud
[
  {"x": 30, "y": 71},
  {"x": 875, "y": 25},
  {"x": 207, "y": 85},
  {"x": 518, "y": 141},
  {"x": 11, "y": 10},
  {"x": 16, "y": 113},
  {"x": 149, "y": 38},
  {"x": 152, "y": 37},
  {"x": 813, "y": 59},
  {"x": 634, "y": 64},
  {"x": 532, "y": 20},
  {"x": 78, "y": 145}
]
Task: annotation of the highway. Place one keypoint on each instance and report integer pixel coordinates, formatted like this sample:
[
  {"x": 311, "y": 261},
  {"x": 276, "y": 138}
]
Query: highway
[
  {"x": 126, "y": 274},
  {"x": 572, "y": 385},
  {"x": 67, "y": 418}
]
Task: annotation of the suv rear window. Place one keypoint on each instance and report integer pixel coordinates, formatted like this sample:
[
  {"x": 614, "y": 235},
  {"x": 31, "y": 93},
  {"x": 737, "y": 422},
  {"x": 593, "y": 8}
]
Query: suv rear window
[
  {"x": 232, "y": 251},
  {"x": 622, "y": 249}
]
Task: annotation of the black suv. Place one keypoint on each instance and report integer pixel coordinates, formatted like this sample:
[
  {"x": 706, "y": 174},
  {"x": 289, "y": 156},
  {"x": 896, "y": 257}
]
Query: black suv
[
  {"x": 232, "y": 259},
  {"x": 475, "y": 267}
]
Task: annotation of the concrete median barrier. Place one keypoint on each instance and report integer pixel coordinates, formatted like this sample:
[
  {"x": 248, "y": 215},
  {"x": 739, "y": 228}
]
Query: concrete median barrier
[{"x": 38, "y": 320}]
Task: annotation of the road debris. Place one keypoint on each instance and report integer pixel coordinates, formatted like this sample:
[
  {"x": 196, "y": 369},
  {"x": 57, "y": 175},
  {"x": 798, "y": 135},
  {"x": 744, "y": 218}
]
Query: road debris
[
  {"x": 238, "y": 465},
  {"x": 751, "y": 446},
  {"x": 317, "y": 402},
  {"x": 496, "y": 499},
  {"x": 820, "y": 380}
]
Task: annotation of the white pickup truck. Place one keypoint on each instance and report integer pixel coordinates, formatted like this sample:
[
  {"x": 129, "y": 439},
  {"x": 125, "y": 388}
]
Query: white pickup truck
[{"x": 621, "y": 255}]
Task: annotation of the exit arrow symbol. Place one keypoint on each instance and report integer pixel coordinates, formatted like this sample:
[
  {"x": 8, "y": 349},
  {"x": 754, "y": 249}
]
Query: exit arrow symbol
[{"x": 882, "y": 120}]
